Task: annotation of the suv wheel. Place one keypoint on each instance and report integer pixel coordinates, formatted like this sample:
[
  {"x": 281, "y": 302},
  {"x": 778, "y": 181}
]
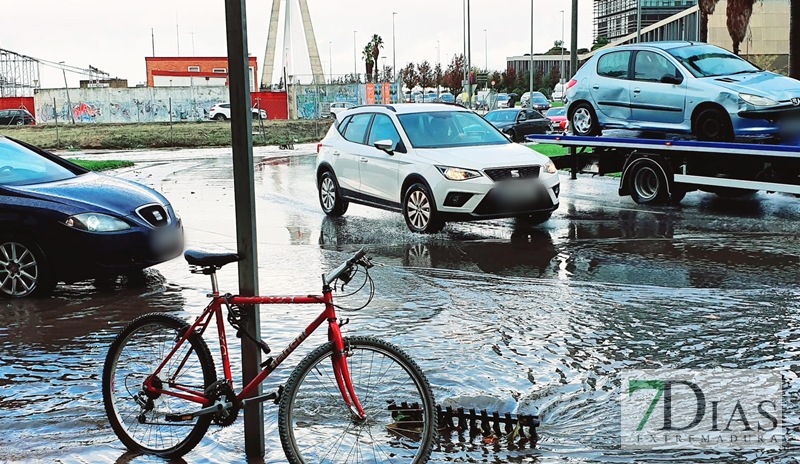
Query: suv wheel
[
  {"x": 419, "y": 210},
  {"x": 219, "y": 117},
  {"x": 329, "y": 198}
]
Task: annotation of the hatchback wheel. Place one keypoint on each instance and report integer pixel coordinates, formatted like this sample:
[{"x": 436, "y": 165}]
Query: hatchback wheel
[
  {"x": 329, "y": 198},
  {"x": 420, "y": 212},
  {"x": 713, "y": 125},
  {"x": 584, "y": 120},
  {"x": 20, "y": 122},
  {"x": 23, "y": 269}
]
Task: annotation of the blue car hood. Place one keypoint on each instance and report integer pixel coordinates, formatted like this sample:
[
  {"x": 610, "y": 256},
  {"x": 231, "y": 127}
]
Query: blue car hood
[
  {"x": 93, "y": 192},
  {"x": 764, "y": 84}
]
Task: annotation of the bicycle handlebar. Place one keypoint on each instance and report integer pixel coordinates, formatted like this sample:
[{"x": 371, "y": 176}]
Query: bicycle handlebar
[{"x": 334, "y": 274}]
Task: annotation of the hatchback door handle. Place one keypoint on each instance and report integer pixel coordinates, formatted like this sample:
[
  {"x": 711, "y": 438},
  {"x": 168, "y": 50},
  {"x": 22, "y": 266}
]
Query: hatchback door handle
[
  {"x": 364, "y": 160},
  {"x": 596, "y": 87},
  {"x": 637, "y": 90}
]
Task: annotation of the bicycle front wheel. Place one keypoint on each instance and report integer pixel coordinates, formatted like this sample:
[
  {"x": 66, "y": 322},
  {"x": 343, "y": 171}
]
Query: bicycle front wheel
[
  {"x": 316, "y": 426},
  {"x": 138, "y": 417}
]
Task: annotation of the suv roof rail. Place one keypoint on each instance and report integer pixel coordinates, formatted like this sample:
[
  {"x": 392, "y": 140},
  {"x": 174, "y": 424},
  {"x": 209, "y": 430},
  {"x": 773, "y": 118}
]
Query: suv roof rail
[{"x": 388, "y": 107}]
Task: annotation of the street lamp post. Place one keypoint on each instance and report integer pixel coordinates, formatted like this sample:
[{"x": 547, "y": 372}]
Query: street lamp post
[
  {"x": 394, "y": 49},
  {"x": 485, "y": 51},
  {"x": 530, "y": 71},
  {"x": 384, "y": 68},
  {"x": 561, "y": 64},
  {"x": 355, "y": 60},
  {"x": 330, "y": 62}
]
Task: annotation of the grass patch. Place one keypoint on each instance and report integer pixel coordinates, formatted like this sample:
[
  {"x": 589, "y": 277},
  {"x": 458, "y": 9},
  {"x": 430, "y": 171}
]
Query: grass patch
[
  {"x": 160, "y": 135},
  {"x": 549, "y": 150},
  {"x": 102, "y": 165},
  {"x": 556, "y": 104}
]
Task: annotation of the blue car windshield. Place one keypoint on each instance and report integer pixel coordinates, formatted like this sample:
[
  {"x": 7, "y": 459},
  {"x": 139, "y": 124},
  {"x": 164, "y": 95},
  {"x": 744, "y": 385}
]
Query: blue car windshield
[
  {"x": 447, "y": 129},
  {"x": 710, "y": 61},
  {"x": 21, "y": 166}
]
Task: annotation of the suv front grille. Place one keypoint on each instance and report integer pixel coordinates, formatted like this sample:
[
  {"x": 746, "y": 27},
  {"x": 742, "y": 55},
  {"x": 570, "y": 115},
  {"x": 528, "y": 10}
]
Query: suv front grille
[
  {"x": 522, "y": 172},
  {"x": 155, "y": 215}
]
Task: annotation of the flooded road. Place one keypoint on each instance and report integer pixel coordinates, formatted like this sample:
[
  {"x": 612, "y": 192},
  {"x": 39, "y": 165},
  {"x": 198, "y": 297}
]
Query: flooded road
[{"x": 525, "y": 320}]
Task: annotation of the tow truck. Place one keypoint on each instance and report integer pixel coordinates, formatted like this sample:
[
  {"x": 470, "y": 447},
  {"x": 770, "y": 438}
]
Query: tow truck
[{"x": 662, "y": 171}]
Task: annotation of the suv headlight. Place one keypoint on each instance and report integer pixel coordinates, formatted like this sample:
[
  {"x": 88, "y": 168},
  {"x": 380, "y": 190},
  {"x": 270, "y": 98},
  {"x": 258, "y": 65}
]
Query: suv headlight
[
  {"x": 458, "y": 173},
  {"x": 96, "y": 222},
  {"x": 550, "y": 168},
  {"x": 755, "y": 100}
]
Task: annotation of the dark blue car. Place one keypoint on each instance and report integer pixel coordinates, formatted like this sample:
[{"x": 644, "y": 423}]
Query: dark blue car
[{"x": 62, "y": 223}]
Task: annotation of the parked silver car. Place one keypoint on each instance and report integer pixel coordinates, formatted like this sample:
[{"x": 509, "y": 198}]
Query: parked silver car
[{"x": 679, "y": 87}]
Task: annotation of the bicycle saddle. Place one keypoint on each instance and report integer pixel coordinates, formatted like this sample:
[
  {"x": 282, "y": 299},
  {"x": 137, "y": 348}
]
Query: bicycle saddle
[{"x": 202, "y": 258}]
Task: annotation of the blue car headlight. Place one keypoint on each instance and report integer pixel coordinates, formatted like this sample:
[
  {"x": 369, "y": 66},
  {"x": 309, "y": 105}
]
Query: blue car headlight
[
  {"x": 756, "y": 100},
  {"x": 96, "y": 222}
]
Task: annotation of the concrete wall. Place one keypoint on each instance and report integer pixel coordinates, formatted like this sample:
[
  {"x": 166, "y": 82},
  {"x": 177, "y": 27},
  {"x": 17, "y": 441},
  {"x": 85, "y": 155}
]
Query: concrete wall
[
  {"x": 131, "y": 105},
  {"x": 769, "y": 29},
  {"x": 314, "y": 101}
]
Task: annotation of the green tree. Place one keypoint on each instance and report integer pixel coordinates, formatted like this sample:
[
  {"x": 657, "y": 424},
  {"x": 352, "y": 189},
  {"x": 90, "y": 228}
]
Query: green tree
[
  {"x": 599, "y": 42},
  {"x": 367, "y": 54},
  {"x": 739, "y": 12},
  {"x": 377, "y": 44},
  {"x": 425, "y": 75},
  {"x": 454, "y": 75},
  {"x": 438, "y": 75},
  {"x": 409, "y": 76},
  {"x": 509, "y": 77}
]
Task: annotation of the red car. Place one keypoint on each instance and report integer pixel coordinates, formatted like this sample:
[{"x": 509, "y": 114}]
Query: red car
[{"x": 558, "y": 118}]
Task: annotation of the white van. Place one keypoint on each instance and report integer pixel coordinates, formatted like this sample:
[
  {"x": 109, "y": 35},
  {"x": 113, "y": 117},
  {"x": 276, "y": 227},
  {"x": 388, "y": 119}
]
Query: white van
[{"x": 558, "y": 92}]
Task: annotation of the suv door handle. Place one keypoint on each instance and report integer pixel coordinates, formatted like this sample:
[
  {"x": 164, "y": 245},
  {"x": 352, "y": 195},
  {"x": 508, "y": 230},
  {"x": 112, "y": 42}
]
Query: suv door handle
[
  {"x": 364, "y": 160},
  {"x": 336, "y": 153}
]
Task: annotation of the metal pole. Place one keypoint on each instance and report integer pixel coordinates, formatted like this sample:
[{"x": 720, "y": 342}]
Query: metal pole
[
  {"x": 355, "y": 61},
  {"x": 463, "y": 33},
  {"x": 55, "y": 114},
  {"x": 244, "y": 194},
  {"x": 561, "y": 62},
  {"x": 330, "y": 63},
  {"x": 177, "y": 34},
  {"x": 153, "y": 39},
  {"x": 573, "y": 45},
  {"x": 394, "y": 50},
  {"x": 530, "y": 71},
  {"x": 638, "y": 21},
  {"x": 485, "y": 51},
  {"x": 66, "y": 89},
  {"x": 469, "y": 56}
]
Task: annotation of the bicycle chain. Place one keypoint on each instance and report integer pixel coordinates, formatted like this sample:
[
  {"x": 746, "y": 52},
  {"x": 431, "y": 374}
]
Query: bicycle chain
[{"x": 221, "y": 390}]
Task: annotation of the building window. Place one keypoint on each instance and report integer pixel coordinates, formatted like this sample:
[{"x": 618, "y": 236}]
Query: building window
[
  {"x": 194, "y": 69},
  {"x": 220, "y": 70}
]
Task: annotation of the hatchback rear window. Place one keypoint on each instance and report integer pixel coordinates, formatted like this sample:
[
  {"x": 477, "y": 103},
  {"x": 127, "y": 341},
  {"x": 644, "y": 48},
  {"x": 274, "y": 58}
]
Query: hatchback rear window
[{"x": 614, "y": 65}]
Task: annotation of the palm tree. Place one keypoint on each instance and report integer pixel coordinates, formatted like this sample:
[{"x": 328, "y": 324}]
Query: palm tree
[
  {"x": 794, "y": 39},
  {"x": 377, "y": 44},
  {"x": 707, "y": 8},
  {"x": 368, "y": 60},
  {"x": 739, "y": 12}
]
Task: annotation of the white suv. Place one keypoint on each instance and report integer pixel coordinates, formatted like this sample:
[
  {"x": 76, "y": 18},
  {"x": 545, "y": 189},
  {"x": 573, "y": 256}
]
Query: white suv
[
  {"x": 222, "y": 112},
  {"x": 433, "y": 162}
]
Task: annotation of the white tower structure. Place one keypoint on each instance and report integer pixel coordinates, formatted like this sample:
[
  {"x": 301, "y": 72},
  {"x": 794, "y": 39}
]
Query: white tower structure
[{"x": 272, "y": 35}]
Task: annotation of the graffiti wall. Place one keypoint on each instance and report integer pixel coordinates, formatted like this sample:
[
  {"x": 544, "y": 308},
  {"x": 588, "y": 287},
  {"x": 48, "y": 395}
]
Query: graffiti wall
[
  {"x": 131, "y": 105},
  {"x": 314, "y": 101}
]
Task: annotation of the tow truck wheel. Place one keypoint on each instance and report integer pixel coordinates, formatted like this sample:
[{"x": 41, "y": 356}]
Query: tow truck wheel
[{"x": 647, "y": 183}]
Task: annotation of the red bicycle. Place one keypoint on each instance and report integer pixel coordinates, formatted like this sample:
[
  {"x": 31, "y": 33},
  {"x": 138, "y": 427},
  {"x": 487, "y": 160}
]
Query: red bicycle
[{"x": 353, "y": 398}]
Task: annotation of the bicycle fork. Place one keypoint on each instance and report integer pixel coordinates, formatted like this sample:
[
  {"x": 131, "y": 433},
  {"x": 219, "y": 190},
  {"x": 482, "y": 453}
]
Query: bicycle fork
[{"x": 342, "y": 372}]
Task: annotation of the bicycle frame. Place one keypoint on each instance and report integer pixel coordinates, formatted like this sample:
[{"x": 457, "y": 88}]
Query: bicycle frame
[{"x": 214, "y": 310}]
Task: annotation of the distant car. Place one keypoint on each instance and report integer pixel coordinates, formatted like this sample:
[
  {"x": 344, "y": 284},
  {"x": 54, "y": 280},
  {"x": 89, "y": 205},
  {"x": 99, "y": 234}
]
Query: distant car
[
  {"x": 502, "y": 100},
  {"x": 518, "y": 123},
  {"x": 60, "y": 222},
  {"x": 18, "y": 117},
  {"x": 539, "y": 102},
  {"x": 448, "y": 97},
  {"x": 558, "y": 118},
  {"x": 680, "y": 87},
  {"x": 430, "y": 97},
  {"x": 338, "y": 107},
  {"x": 558, "y": 92},
  {"x": 222, "y": 112},
  {"x": 433, "y": 163}
]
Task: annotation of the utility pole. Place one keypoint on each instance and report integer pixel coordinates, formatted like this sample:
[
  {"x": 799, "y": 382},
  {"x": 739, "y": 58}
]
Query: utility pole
[
  {"x": 485, "y": 51},
  {"x": 394, "y": 50},
  {"x": 153, "y": 39},
  {"x": 530, "y": 71},
  {"x": 330, "y": 62},
  {"x": 66, "y": 89},
  {"x": 177, "y": 34},
  {"x": 464, "y": 32},
  {"x": 355, "y": 61},
  {"x": 469, "y": 56},
  {"x": 573, "y": 53},
  {"x": 638, "y": 21},
  {"x": 561, "y": 63}
]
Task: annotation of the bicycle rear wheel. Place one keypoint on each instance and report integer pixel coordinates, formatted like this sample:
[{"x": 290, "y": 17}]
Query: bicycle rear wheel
[
  {"x": 139, "y": 418},
  {"x": 316, "y": 426}
]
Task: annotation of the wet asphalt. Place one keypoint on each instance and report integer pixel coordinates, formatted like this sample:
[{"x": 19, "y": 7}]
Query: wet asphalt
[{"x": 534, "y": 320}]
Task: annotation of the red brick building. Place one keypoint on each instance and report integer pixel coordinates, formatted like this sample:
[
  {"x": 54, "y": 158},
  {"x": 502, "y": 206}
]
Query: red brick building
[{"x": 187, "y": 71}]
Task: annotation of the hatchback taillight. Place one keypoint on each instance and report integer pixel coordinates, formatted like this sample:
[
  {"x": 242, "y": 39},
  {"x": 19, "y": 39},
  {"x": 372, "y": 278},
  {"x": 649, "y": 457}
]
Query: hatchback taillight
[
  {"x": 571, "y": 83},
  {"x": 319, "y": 147}
]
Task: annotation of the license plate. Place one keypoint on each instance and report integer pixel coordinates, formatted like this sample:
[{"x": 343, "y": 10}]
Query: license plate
[
  {"x": 166, "y": 240},
  {"x": 515, "y": 192}
]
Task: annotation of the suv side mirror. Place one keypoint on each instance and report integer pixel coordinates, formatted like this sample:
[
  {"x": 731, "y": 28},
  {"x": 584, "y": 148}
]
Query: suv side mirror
[
  {"x": 385, "y": 145},
  {"x": 670, "y": 79}
]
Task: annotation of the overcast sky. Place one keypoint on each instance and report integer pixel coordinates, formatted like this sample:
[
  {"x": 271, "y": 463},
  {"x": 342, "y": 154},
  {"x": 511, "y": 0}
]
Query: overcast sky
[{"x": 114, "y": 35}]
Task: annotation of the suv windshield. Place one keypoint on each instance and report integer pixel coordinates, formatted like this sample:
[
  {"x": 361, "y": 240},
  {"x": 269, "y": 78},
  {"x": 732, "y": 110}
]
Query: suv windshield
[
  {"x": 709, "y": 61},
  {"x": 20, "y": 166},
  {"x": 445, "y": 129}
]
